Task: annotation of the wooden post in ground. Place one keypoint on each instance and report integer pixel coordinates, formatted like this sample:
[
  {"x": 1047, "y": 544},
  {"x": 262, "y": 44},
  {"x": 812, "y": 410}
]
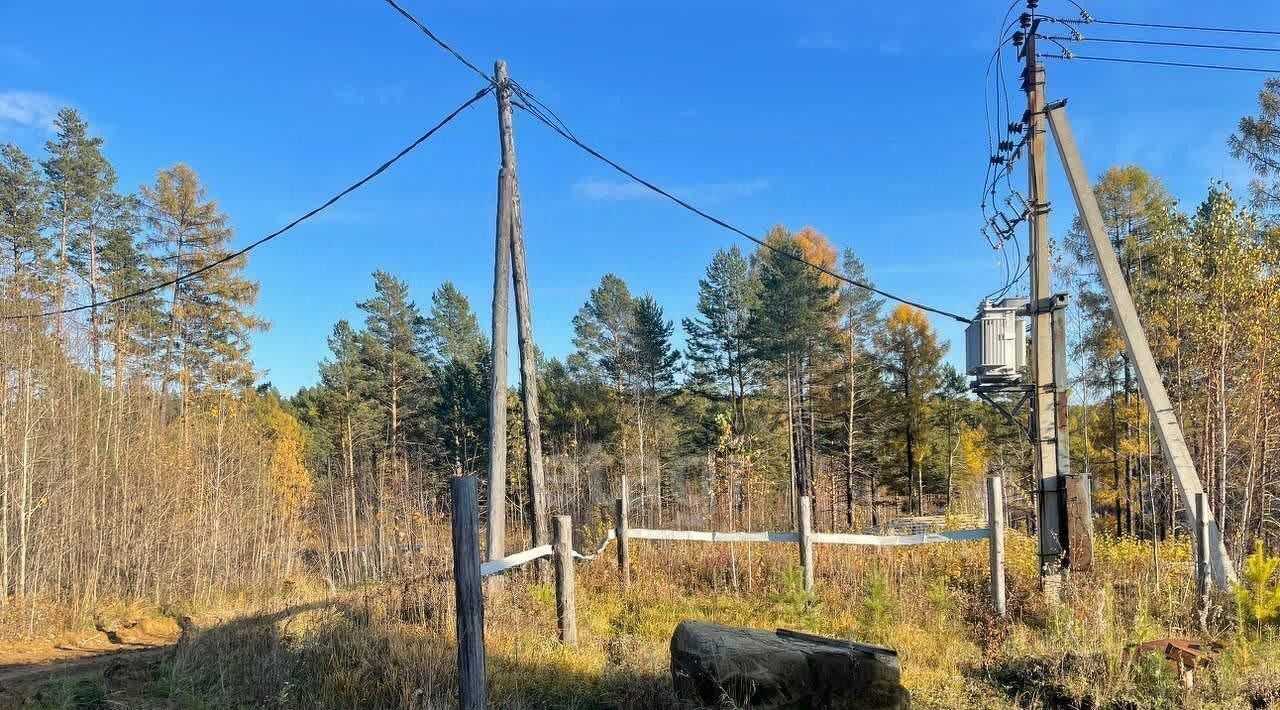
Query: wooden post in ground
[
  {"x": 1204, "y": 576},
  {"x": 469, "y": 599},
  {"x": 562, "y": 554},
  {"x": 524, "y": 321},
  {"x": 995, "y": 526},
  {"x": 623, "y": 537},
  {"x": 806, "y": 542}
]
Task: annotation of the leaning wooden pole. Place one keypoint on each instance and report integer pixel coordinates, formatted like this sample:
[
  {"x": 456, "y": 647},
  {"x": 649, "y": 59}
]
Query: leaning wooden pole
[
  {"x": 497, "y": 528},
  {"x": 469, "y": 599},
  {"x": 1125, "y": 313},
  {"x": 524, "y": 320}
]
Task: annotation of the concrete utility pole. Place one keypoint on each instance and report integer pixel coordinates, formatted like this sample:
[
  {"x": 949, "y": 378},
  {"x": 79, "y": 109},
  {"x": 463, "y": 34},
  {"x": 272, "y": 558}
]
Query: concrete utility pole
[
  {"x": 540, "y": 527},
  {"x": 1044, "y": 400},
  {"x": 1209, "y": 544}
]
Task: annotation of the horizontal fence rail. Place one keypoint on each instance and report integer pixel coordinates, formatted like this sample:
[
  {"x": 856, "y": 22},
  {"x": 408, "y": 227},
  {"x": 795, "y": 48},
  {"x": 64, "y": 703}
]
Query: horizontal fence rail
[
  {"x": 894, "y": 540},
  {"x": 469, "y": 571},
  {"x": 524, "y": 557},
  {"x": 519, "y": 559},
  {"x": 819, "y": 538},
  {"x": 711, "y": 536}
]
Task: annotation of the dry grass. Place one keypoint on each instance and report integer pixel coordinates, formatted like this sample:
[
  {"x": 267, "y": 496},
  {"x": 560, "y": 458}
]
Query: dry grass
[{"x": 391, "y": 645}]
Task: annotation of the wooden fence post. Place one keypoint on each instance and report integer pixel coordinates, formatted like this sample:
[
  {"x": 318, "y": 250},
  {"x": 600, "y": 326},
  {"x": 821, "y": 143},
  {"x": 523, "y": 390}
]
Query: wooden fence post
[
  {"x": 806, "y": 542},
  {"x": 1203, "y": 578},
  {"x": 469, "y": 599},
  {"x": 995, "y": 527},
  {"x": 562, "y": 554},
  {"x": 620, "y": 532}
]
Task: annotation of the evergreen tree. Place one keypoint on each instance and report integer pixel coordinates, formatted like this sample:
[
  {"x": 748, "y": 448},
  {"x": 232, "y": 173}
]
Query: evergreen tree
[
  {"x": 792, "y": 328},
  {"x": 460, "y": 366},
  {"x": 209, "y": 321},
  {"x": 393, "y": 329},
  {"x": 452, "y": 331},
  {"x": 79, "y": 180},
  {"x": 1257, "y": 142},
  {"x": 717, "y": 344},
  {"x": 600, "y": 328},
  {"x": 652, "y": 361},
  {"x": 22, "y": 198},
  {"x": 135, "y": 324},
  {"x": 649, "y": 365},
  {"x": 857, "y": 383}
]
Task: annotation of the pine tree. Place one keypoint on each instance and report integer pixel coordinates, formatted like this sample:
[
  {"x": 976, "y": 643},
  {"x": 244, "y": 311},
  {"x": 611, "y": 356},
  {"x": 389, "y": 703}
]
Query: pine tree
[
  {"x": 717, "y": 343},
  {"x": 346, "y": 409},
  {"x": 80, "y": 182},
  {"x": 393, "y": 330},
  {"x": 860, "y": 318},
  {"x": 793, "y": 328},
  {"x": 209, "y": 321},
  {"x": 1257, "y": 142},
  {"x": 600, "y": 328},
  {"x": 650, "y": 365},
  {"x": 452, "y": 331},
  {"x": 22, "y": 203},
  {"x": 135, "y": 324},
  {"x": 460, "y": 366}
]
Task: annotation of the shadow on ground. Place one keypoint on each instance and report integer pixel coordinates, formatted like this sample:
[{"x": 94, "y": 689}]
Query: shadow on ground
[{"x": 333, "y": 654}]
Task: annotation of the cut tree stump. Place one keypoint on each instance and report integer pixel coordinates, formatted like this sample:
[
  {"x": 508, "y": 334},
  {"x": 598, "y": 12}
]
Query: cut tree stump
[{"x": 718, "y": 666}]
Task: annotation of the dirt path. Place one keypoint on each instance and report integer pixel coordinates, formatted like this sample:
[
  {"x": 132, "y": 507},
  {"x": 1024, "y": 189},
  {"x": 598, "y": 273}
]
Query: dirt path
[{"x": 25, "y": 666}]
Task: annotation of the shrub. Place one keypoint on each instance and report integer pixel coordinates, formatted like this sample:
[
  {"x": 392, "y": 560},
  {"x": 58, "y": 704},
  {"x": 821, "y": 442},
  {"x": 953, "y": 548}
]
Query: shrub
[{"x": 1258, "y": 594}]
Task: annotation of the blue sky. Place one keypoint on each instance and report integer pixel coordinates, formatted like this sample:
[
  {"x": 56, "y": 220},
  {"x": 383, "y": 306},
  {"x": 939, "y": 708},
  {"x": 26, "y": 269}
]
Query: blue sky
[{"x": 865, "y": 121}]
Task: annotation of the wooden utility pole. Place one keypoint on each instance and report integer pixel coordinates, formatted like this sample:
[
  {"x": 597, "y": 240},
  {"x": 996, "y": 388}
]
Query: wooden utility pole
[
  {"x": 1044, "y": 400},
  {"x": 524, "y": 320},
  {"x": 497, "y": 529}
]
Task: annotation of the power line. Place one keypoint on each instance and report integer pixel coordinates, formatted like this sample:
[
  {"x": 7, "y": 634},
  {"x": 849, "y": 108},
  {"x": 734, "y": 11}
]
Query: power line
[
  {"x": 1155, "y": 62},
  {"x": 443, "y": 45},
  {"x": 1161, "y": 43},
  {"x": 716, "y": 220},
  {"x": 1157, "y": 26},
  {"x": 540, "y": 111},
  {"x": 237, "y": 254}
]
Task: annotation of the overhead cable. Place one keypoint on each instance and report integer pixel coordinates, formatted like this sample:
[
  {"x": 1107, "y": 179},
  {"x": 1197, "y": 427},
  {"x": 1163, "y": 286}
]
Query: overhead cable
[
  {"x": 720, "y": 222},
  {"x": 1156, "y": 62},
  {"x": 253, "y": 245}
]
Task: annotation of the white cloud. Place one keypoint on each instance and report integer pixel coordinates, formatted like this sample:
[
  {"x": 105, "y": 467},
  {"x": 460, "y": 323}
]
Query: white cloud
[
  {"x": 29, "y": 109},
  {"x": 708, "y": 193}
]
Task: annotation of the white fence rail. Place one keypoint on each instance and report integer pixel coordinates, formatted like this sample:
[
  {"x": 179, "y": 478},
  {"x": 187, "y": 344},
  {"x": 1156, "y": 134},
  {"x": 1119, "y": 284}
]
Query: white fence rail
[{"x": 469, "y": 571}]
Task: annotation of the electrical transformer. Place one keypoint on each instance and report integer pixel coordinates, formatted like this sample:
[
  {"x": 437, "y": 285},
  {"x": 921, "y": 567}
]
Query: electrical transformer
[{"x": 996, "y": 343}]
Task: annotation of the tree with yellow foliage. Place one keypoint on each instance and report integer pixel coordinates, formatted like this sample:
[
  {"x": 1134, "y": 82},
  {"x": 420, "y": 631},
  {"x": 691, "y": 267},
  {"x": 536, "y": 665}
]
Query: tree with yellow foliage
[{"x": 912, "y": 359}]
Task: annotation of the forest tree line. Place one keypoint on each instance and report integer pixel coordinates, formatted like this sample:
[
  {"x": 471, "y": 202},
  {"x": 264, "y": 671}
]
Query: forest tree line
[{"x": 139, "y": 459}]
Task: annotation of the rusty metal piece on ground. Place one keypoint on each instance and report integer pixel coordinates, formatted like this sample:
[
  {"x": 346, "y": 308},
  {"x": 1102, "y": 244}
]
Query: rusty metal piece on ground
[{"x": 1185, "y": 655}]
